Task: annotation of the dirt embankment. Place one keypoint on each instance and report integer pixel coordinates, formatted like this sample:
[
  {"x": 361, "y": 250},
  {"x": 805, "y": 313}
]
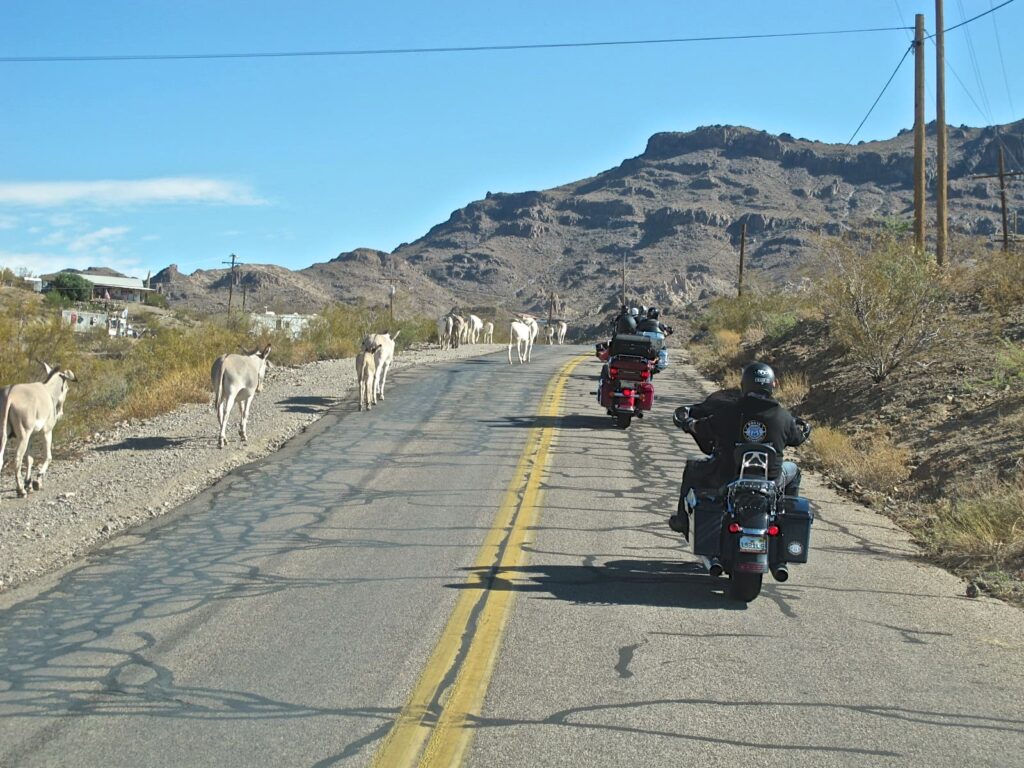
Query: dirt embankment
[{"x": 137, "y": 471}]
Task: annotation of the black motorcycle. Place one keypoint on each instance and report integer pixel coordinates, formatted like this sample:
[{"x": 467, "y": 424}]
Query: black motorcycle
[{"x": 747, "y": 527}]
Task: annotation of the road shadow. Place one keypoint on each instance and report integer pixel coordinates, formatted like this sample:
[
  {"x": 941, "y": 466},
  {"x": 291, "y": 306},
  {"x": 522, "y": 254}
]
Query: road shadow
[
  {"x": 154, "y": 443},
  {"x": 656, "y": 583},
  {"x": 307, "y": 404},
  {"x": 570, "y": 421}
]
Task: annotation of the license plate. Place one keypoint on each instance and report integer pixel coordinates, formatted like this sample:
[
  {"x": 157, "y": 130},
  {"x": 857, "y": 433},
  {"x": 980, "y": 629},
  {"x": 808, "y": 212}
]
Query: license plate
[{"x": 753, "y": 544}]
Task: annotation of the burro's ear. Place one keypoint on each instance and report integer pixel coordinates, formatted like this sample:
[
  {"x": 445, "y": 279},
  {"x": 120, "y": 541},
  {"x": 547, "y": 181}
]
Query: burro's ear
[
  {"x": 266, "y": 352},
  {"x": 46, "y": 367}
]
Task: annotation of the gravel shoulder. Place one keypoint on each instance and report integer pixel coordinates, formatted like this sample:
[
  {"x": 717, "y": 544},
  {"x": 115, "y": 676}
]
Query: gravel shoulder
[{"x": 138, "y": 471}]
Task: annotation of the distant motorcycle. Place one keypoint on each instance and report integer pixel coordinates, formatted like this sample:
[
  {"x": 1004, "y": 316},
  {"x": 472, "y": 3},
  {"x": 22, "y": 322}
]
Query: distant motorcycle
[
  {"x": 625, "y": 388},
  {"x": 748, "y": 527}
]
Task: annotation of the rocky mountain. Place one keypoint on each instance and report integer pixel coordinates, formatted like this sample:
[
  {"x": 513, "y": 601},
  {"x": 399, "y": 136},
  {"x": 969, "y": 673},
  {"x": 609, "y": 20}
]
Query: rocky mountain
[{"x": 670, "y": 217}]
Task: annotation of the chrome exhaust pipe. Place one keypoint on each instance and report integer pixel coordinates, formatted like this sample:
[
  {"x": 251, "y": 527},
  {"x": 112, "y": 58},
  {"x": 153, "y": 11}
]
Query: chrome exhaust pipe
[
  {"x": 713, "y": 565},
  {"x": 781, "y": 573}
]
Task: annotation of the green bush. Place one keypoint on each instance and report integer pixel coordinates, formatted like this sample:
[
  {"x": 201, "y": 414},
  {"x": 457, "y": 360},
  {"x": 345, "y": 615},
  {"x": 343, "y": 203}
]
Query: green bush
[
  {"x": 881, "y": 297},
  {"x": 773, "y": 312},
  {"x": 71, "y": 286},
  {"x": 155, "y": 300}
]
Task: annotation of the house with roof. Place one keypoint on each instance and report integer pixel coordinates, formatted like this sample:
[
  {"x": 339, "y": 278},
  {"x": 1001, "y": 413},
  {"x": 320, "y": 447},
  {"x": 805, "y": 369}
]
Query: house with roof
[{"x": 117, "y": 288}]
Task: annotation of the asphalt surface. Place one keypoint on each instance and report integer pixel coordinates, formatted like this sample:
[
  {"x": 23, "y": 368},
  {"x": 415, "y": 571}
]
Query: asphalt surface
[{"x": 283, "y": 617}]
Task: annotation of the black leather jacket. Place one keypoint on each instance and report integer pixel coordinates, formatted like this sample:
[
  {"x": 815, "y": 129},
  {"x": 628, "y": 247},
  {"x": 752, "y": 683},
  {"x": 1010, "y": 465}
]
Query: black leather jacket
[{"x": 726, "y": 419}]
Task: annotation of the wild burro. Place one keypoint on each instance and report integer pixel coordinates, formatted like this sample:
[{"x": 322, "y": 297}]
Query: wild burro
[
  {"x": 238, "y": 377},
  {"x": 27, "y": 409},
  {"x": 383, "y": 347}
]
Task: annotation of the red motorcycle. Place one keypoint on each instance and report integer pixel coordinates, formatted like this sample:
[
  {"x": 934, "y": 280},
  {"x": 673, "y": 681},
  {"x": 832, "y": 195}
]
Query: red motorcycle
[{"x": 625, "y": 389}]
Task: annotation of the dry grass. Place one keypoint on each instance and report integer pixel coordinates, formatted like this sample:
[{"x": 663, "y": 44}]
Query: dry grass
[
  {"x": 792, "y": 389},
  {"x": 980, "y": 535},
  {"x": 879, "y": 469}
]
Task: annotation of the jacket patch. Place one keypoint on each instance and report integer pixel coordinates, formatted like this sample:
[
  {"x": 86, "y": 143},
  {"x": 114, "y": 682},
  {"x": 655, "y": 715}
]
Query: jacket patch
[{"x": 754, "y": 431}]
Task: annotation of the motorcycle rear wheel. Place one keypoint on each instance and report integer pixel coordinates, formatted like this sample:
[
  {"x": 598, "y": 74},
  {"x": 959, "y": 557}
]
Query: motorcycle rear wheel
[
  {"x": 623, "y": 420},
  {"x": 745, "y": 586}
]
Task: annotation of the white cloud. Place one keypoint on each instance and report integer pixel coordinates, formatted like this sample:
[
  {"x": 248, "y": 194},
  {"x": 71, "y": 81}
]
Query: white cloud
[
  {"x": 96, "y": 241},
  {"x": 181, "y": 189},
  {"x": 8, "y": 222}
]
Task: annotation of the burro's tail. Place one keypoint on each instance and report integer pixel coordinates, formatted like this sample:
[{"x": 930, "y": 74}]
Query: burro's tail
[
  {"x": 5, "y": 409},
  {"x": 218, "y": 383}
]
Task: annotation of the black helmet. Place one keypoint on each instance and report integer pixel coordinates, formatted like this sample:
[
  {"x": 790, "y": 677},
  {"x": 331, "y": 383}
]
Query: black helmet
[
  {"x": 653, "y": 313},
  {"x": 758, "y": 379}
]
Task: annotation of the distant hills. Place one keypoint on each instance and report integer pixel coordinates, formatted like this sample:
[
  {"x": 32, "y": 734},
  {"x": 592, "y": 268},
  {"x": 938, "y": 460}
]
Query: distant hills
[{"x": 673, "y": 214}]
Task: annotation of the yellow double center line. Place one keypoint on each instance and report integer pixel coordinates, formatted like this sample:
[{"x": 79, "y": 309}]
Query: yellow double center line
[{"x": 435, "y": 727}]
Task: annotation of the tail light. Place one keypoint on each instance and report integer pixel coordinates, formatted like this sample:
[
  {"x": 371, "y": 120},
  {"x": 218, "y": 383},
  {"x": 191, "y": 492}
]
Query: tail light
[
  {"x": 627, "y": 392},
  {"x": 772, "y": 530},
  {"x": 645, "y": 375},
  {"x": 735, "y": 527},
  {"x": 613, "y": 372}
]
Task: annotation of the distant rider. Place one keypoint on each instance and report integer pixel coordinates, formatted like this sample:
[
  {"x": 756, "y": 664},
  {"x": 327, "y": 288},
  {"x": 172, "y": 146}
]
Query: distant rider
[{"x": 728, "y": 418}]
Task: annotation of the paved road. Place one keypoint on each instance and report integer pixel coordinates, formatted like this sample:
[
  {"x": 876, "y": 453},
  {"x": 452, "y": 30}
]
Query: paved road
[{"x": 465, "y": 572}]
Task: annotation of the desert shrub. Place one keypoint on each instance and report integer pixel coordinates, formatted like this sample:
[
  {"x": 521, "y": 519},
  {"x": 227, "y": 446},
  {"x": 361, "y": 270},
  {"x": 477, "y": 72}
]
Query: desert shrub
[
  {"x": 999, "y": 279},
  {"x": 878, "y": 466},
  {"x": 881, "y": 297},
  {"x": 155, "y": 300},
  {"x": 71, "y": 286},
  {"x": 758, "y": 313}
]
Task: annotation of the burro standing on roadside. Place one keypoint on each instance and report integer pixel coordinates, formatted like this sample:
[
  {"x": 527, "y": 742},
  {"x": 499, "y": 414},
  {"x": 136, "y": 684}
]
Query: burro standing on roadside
[
  {"x": 237, "y": 377},
  {"x": 27, "y": 409}
]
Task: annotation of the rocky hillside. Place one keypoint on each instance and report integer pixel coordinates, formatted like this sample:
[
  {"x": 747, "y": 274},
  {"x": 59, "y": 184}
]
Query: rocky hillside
[{"x": 673, "y": 215}]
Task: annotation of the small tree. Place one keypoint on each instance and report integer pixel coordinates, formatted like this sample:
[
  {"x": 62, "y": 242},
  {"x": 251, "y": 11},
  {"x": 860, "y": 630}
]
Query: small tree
[
  {"x": 882, "y": 298},
  {"x": 72, "y": 286}
]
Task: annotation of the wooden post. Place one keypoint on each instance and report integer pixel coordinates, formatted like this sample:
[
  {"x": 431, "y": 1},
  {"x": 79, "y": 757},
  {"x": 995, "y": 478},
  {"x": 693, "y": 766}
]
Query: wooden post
[
  {"x": 919, "y": 146},
  {"x": 231, "y": 282},
  {"x": 245, "y": 291},
  {"x": 743, "y": 244},
  {"x": 1002, "y": 200},
  {"x": 623, "y": 278},
  {"x": 942, "y": 180}
]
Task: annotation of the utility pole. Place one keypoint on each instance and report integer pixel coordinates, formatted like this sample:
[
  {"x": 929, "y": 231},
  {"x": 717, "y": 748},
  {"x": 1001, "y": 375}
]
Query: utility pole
[
  {"x": 919, "y": 177},
  {"x": 743, "y": 245},
  {"x": 1002, "y": 200},
  {"x": 245, "y": 291},
  {"x": 623, "y": 278},
  {"x": 231, "y": 283},
  {"x": 1003, "y": 173},
  {"x": 942, "y": 180},
  {"x": 391, "y": 297}
]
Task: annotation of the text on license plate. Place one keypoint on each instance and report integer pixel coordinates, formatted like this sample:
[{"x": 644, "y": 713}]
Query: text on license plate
[{"x": 753, "y": 544}]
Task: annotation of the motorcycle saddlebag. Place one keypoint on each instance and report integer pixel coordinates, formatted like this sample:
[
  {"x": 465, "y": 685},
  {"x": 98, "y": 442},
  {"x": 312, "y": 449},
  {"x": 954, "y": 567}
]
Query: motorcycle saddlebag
[
  {"x": 795, "y": 523},
  {"x": 633, "y": 345},
  {"x": 706, "y": 525},
  {"x": 646, "y": 395}
]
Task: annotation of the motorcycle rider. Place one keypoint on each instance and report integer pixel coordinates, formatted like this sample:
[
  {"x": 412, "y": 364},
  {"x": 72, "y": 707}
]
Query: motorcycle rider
[
  {"x": 728, "y": 418},
  {"x": 625, "y": 322},
  {"x": 653, "y": 323},
  {"x": 653, "y": 327}
]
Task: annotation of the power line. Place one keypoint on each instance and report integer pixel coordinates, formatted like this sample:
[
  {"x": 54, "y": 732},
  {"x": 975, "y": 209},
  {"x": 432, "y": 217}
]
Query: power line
[
  {"x": 975, "y": 18},
  {"x": 882, "y": 93},
  {"x": 446, "y": 49},
  {"x": 1002, "y": 63}
]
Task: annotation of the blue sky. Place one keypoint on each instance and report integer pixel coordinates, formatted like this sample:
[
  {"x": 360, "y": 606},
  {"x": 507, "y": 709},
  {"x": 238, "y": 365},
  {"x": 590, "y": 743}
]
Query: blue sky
[{"x": 139, "y": 164}]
